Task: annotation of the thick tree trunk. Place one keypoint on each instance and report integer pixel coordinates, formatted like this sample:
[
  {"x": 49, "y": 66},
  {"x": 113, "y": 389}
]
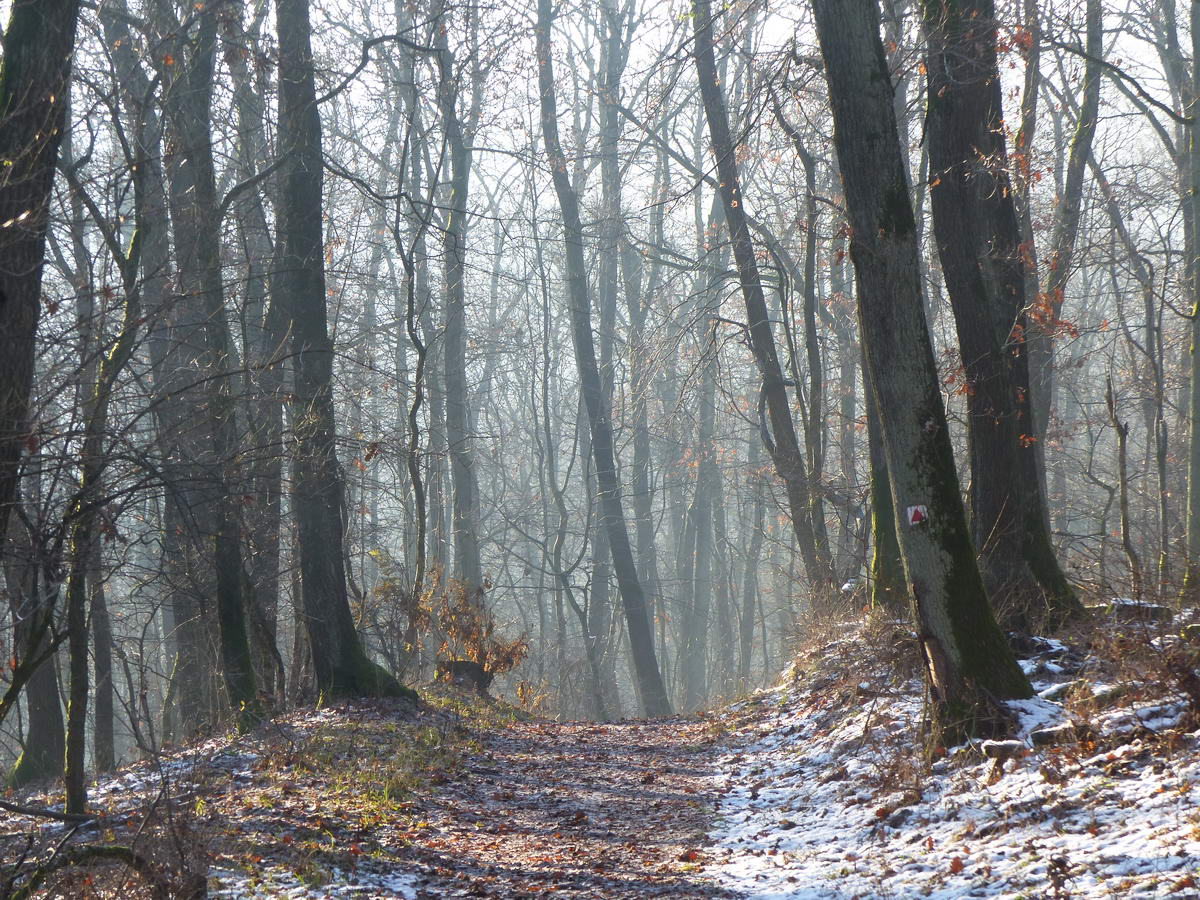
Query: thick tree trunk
[
  {"x": 339, "y": 658},
  {"x": 978, "y": 241},
  {"x": 35, "y": 71},
  {"x": 651, "y": 691},
  {"x": 968, "y": 661}
]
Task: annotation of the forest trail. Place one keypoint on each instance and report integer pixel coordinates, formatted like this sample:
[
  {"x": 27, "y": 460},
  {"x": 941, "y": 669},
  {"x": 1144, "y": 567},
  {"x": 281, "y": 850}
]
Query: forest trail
[
  {"x": 816, "y": 788},
  {"x": 463, "y": 797},
  {"x": 576, "y": 809}
]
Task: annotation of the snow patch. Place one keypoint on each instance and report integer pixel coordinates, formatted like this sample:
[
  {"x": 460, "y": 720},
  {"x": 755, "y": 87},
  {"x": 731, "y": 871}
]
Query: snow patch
[{"x": 823, "y": 797}]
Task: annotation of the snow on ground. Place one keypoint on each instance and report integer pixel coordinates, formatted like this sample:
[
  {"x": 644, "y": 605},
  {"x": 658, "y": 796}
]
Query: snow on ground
[
  {"x": 824, "y": 796},
  {"x": 234, "y": 758},
  {"x": 277, "y": 882}
]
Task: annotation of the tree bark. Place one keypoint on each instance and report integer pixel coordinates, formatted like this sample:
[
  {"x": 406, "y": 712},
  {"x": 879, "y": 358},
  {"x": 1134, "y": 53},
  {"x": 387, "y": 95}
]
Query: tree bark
[
  {"x": 195, "y": 220},
  {"x": 264, "y": 349},
  {"x": 35, "y": 72},
  {"x": 888, "y": 590},
  {"x": 1191, "y": 215},
  {"x": 31, "y": 597},
  {"x": 339, "y": 659},
  {"x": 978, "y": 240},
  {"x": 465, "y": 507},
  {"x": 966, "y": 656}
]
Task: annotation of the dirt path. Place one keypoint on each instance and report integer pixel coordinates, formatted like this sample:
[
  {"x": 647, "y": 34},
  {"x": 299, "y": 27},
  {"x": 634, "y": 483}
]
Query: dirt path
[
  {"x": 575, "y": 810},
  {"x": 376, "y": 800}
]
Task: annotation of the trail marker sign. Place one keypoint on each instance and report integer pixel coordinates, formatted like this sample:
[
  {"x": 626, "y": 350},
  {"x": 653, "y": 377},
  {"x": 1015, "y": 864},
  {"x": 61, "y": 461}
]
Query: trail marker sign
[{"x": 917, "y": 515}]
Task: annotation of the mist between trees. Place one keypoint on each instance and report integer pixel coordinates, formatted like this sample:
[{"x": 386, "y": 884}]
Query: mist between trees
[{"x": 338, "y": 340}]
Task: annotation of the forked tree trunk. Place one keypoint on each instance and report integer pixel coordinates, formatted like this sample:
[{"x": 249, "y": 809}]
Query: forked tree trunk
[
  {"x": 966, "y": 656},
  {"x": 978, "y": 240}
]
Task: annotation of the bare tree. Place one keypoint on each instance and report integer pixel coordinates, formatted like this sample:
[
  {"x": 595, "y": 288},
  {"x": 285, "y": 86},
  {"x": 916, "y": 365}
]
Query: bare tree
[{"x": 651, "y": 690}]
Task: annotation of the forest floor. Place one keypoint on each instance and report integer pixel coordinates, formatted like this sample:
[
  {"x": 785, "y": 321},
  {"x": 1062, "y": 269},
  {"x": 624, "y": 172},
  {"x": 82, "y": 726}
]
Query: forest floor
[
  {"x": 828, "y": 793},
  {"x": 464, "y": 798},
  {"x": 816, "y": 789}
]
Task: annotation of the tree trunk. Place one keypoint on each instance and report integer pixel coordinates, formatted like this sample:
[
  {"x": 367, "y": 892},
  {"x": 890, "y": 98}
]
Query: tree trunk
[
  {"x": 696, "y": 614},
  {"x": 89, "y": 321},
  {"x": 1122, "y": 430},
  {"x": 1191, "y": 215},
  {"x": 888, "y": 590},
  {"x": 753, "y": 553},
  {"x": 978, "y": 242},
  {"x": 30, "y": 595},
  {"x": 1047, "y": 306},
  {"x": 785, "y": 449},
  {"x": 104, "y": 755},
  {"x": 85, "y": 507},
  {"x": 186, "y": 631},
  {"x": 195, "y": 220},
  {"x": 465, "y": 509},
  {"x": 651, "y": 691},
  {"x": 35, "y": 71},
  {"x": 339, "y": 659},
  {"x": 264, "y": 349},
  {"x": 968, "y": 661}
]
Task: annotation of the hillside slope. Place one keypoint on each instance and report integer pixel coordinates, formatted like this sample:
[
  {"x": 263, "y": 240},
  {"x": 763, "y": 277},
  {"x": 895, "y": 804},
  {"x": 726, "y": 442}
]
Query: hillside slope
[{"x": 826, "y": 794}]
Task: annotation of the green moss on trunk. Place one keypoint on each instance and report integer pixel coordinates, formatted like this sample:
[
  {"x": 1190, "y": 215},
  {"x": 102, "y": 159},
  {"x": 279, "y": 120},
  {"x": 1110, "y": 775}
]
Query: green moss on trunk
[{"x": 365, "y": 678}]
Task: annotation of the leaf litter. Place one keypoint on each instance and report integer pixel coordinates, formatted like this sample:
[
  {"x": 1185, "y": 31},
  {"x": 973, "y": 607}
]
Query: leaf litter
[{"x": 819, "y": 788}]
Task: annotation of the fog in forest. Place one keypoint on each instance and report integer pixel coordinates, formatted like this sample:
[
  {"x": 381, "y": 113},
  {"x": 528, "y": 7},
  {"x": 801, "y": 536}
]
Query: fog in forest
[{"x": 596, "y": 352}]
